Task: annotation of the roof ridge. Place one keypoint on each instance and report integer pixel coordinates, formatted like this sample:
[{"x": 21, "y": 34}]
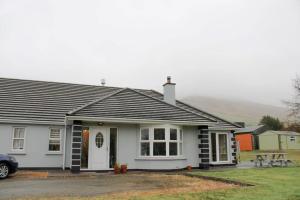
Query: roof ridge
[
  {"x": 170, "y": 104},
  {"x": 78, "y": 84},
  {"x": 201, "y": 110},
  {"x": 42, "y": 81},
  {"x": 95, "y": 101}
]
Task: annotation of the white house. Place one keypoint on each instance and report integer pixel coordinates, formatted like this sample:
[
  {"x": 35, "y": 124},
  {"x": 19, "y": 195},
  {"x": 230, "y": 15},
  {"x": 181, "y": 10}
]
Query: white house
[{"x": 89, "y": 127}]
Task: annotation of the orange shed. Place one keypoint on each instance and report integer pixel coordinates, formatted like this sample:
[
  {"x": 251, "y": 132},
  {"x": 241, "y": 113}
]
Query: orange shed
[
  {"x": 245, "y": 141},
  {"x": 247, "y": 138}
]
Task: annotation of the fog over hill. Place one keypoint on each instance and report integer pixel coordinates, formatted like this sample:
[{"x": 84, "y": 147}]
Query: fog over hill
[{"x": 236, "y": 110}]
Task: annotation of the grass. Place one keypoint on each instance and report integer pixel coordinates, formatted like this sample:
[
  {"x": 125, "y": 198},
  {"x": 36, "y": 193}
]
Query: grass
[
  {"x": 270, "y": 184},
  {"x": 293, "y": 155}
]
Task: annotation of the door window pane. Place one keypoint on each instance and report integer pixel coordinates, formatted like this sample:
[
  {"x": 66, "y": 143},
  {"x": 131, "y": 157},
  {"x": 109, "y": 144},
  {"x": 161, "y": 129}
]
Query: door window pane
[
  {"x": 173, "y": 148},
  {"x": 113, "y": 147},
  {"x": 85, "y": 148},
  {"x": 159, "y": 134},
  {"x": 99, "y": 140},
  {"x": 223, "y": 151},
  {"x": 173, "y": 134},
  {"x": 159, "y": 148}
]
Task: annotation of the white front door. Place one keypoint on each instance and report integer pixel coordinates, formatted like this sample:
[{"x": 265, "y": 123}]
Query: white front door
[{"x": 98, "y": 151}]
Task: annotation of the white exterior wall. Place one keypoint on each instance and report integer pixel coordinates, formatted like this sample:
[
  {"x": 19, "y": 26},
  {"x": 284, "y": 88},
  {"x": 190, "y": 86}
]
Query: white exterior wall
[{"x": 36, "y": 152}]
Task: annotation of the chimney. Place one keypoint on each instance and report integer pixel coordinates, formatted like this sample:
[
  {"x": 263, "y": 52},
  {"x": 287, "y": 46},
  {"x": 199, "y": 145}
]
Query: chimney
[{"x": 169, "y": 91}]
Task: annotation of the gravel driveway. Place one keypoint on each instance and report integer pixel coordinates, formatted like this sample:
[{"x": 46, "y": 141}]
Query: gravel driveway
[{"x": 88, "y": 186}]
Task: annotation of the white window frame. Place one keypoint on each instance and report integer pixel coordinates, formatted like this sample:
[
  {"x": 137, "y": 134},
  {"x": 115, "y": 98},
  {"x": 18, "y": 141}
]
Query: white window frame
[
  {"x": 13, "y": 138},
  {"x": 167, "y": 141},
  {"x": 217, "y": 148},
  {"x": 60, "y": 142}
]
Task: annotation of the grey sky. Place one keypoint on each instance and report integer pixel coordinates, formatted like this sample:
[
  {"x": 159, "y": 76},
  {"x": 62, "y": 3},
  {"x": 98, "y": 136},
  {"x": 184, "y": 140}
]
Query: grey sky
[{"x": 235, "y": 49}]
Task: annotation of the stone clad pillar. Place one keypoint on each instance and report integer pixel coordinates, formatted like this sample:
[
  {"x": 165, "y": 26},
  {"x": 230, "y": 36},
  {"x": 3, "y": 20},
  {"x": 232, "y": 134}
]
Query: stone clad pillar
[
  {"x": 76, "y": 146},
  {"x": 234, "y": 148},
  {"x": 204, "y": 147}
]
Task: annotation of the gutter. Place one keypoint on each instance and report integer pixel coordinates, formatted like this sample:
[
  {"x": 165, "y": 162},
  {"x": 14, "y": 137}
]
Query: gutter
[
  {"x": 144, "y": 121},
  {"x": 12, "y": 121}
]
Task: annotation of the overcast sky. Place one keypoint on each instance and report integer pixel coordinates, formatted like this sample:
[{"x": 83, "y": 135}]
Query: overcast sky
[{"x": 243, "y": 49}]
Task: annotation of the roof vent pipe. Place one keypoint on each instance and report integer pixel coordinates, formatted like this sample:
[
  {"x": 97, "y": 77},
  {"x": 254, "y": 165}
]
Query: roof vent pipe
[
  {"x": 169, "y": 91},
  {"x": 103, "y": 82}
]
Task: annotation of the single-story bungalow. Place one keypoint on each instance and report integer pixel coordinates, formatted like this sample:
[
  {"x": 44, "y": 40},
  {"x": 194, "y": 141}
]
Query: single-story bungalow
[
  {"x": 90, "y": 127},
  {"x": 279, "y": 140},
  {"x": 247, "y": 138}
]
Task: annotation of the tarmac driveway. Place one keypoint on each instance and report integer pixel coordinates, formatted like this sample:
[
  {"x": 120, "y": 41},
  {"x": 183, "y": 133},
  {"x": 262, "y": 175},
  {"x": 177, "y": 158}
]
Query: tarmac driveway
[{"x": 100, "y": 184}]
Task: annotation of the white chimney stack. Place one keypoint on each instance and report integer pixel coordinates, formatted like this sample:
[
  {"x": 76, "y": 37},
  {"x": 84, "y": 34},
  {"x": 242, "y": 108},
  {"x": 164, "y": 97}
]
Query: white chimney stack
[{"x": 169, "y": 91}]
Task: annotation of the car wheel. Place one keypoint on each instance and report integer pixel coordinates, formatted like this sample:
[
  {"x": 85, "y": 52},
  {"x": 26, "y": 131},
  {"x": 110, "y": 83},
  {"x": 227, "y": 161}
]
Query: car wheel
[{"x": 4, "y": 170}]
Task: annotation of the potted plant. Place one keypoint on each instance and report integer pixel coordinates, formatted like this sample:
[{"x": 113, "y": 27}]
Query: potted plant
[
  {"x": 124, "y": 168},
  {"x": 117, "y": 168},
  {"x": 189, "y": 168}
]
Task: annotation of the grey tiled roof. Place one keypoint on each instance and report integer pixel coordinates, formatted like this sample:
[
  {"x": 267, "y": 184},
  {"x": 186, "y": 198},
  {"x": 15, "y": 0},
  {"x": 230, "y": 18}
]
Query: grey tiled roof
[
  {"x": 132, "y": 104},
  {"x": 49, "y": 102},
  {"x": 221, "y": 122}
]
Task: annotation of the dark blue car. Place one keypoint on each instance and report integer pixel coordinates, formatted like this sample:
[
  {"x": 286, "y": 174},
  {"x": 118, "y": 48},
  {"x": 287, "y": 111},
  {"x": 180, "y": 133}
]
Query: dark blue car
[{"x": 8, "y": 165}]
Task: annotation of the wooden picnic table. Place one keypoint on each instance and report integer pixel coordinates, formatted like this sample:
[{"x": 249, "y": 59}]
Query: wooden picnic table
[{"x": 270, "y": 159}]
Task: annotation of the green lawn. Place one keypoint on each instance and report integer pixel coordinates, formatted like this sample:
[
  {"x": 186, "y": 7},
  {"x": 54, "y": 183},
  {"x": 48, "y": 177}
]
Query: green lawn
[
  {"x": 293, "y": 155},
  {"x": 270, "y": 184}
]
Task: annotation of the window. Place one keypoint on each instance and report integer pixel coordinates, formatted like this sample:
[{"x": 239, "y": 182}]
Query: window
[
  {"x": 18, "y": 138},
  {"x": 292, "y": 139},
  {"x": 54, "y": 140},
  {"x": 161, "y": 142},
  {"x": 145, "y": 143}
]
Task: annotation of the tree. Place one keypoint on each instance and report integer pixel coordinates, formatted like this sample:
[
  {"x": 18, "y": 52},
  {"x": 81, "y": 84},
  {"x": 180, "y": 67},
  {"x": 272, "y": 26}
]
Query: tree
[
  {"x": 271, "y": 123},
  {"x": 294, "y": 106},
  {"x": 295, "y": 127}
]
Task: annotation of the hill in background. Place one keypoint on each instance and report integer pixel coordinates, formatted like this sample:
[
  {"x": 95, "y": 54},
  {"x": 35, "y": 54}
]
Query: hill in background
[{"x": 236, "y": 111}]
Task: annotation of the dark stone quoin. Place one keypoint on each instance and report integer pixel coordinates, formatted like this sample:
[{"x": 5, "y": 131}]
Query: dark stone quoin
[
  {"x": 204, "y": 147},
  {"x": 76, "y": 146}
]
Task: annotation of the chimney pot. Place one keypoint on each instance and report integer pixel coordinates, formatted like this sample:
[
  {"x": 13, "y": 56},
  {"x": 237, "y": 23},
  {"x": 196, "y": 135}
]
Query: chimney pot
[{"x": 169, "y": 79}]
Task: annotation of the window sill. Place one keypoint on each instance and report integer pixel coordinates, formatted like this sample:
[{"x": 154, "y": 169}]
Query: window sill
[
  {"x": 17, "y": 153},
  {"x": 161, "y": 158},
  {"x": 53, "y": 153},
  {"x": 220, "y": 163}
]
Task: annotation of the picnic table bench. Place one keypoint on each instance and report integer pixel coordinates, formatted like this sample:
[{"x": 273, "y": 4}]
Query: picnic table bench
[{"x": 270, "y": 159}]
